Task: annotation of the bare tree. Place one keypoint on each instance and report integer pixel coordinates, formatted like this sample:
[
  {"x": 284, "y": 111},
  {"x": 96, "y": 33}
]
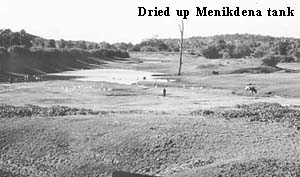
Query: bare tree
[{"x": 181, "y": 28}]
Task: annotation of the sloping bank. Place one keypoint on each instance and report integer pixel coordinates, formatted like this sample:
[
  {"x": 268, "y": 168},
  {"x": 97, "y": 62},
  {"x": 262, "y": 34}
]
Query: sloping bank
[{"x": 20, "y": 60}]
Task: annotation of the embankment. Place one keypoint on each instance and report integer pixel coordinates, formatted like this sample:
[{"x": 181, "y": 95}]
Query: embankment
[{"x": 17, "y": 60}]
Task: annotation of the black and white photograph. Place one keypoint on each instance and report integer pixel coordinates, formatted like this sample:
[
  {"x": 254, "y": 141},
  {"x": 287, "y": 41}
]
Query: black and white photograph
[{"x": 150, "y": 88}]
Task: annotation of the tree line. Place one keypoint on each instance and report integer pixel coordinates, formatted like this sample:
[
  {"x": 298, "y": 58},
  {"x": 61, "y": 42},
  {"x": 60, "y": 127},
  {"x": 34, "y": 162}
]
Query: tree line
[
  {"x": 214, "y": 47},
  {"x": 9, "y": 38},
  {"x": 24, "y": 53},
  {"x": 228, "y": 46},
  {"x": 18, "y": 48}
]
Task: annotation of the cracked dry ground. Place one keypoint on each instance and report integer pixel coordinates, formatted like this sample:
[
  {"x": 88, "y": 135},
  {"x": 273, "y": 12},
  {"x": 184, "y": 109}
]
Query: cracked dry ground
[{"x": 146, "y": 143}]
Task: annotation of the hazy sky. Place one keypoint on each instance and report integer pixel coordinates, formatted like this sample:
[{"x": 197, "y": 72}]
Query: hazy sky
[{"x": 117, "y": 20}]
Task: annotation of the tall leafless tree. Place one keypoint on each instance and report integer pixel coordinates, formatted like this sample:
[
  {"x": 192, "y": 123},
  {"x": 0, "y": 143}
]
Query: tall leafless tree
[{"x": 181, "y": 28}]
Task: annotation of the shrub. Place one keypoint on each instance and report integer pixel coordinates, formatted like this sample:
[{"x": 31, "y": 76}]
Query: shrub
[
  {"x": 99, "y": 53},
  {"x": 18, "y": 51},
  {"x": 241, "y": 51},
  {"x": 3, "y": 58},
  {"x": 211, "y": 52},
  {"x": 3, "y": 52},
  {"x": 271, "y": 60},
  {"x": 152, "y": 45},
  {"x": 288, "y": 59},
  {"x": 149, "y": 49},
  {"x": 225, "y": 55}
]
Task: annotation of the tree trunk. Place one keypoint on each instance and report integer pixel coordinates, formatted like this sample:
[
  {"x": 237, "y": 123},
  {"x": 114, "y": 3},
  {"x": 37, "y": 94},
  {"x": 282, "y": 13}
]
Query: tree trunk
[{"x": 181, "y": 28}]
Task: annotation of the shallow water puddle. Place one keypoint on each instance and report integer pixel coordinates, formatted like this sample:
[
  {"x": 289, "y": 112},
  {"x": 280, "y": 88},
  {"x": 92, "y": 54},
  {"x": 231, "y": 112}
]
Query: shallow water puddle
[{"x": 121, "y": 76}]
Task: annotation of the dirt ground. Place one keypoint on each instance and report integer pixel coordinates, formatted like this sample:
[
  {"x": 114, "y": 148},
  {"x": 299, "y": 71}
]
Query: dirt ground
[{"x": 147, "y": 133}]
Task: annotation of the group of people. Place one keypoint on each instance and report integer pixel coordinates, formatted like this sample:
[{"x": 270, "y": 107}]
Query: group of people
[{"x": 25, "y": 78}]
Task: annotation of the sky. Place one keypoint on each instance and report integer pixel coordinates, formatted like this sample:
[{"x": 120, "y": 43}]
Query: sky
[{"x": 118, "y": 20}]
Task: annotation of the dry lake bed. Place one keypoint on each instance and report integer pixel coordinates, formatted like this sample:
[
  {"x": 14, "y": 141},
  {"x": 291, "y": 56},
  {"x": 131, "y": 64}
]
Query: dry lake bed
[{"x": 116, "y": 118}]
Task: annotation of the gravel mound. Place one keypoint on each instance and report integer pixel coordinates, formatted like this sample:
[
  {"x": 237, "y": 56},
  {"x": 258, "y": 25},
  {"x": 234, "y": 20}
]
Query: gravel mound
[
  {"x": 9, "y": 111},
  {"x": 261, "y": 112}
]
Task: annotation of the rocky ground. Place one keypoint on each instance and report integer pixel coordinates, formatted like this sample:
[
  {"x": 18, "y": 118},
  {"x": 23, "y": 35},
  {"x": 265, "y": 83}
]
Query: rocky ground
[{"x": 204, "y": 143}]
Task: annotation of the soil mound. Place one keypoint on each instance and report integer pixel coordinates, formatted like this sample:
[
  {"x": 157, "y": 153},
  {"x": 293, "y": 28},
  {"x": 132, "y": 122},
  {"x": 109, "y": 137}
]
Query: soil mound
[
  {"x": 9, "y": 111},
  {"x": 261, "y": 112}
]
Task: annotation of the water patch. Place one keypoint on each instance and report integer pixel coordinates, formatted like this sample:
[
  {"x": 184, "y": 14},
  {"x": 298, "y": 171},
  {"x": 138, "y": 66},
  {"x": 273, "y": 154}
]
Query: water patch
[{"x": 121, "y": 76}]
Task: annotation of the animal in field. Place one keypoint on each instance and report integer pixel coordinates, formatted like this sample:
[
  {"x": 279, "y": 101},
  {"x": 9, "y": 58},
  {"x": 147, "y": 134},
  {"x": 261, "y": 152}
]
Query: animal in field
[
  {"x": 215, "y": 72},
  {"x": 250, "y": 88}
]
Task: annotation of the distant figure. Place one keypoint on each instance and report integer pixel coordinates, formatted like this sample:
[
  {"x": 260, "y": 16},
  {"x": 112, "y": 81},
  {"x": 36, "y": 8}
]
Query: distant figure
[
  {"x": 144, "y": 78},
  {"x": 33, "y": 78},
  {"x": 10, "y": 80},
  {"x": 25, "y": 77},
  {"x": 164, "y": 92},
  {"x": 37, "y": 78},
  {"x": 154, "y": 85},
  {"x": 251, "y": 88}
]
